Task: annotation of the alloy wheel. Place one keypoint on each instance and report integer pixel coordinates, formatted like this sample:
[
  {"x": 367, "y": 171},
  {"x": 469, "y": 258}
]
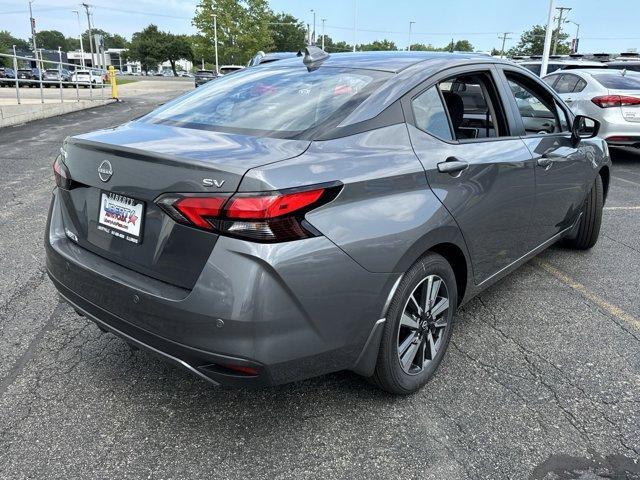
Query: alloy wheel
[{"x": 422, "y": 326}]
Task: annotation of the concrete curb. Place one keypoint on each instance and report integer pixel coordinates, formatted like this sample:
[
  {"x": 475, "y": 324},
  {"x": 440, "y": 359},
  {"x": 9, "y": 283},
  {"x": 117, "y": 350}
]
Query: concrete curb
[{"x": 17, "y": 114}]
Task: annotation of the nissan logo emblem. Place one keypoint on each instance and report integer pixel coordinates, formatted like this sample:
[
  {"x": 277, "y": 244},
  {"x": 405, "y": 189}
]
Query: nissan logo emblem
[{"x": 105, "y": 171}]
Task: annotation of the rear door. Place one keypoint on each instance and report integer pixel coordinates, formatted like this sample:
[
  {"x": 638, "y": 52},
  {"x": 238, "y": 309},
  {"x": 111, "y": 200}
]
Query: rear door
[
  {"x": 480, "y": 171},
  {"x": 562, "y": 171}
]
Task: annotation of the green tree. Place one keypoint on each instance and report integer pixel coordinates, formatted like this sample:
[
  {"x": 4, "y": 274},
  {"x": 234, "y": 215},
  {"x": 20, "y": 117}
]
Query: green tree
[
  {"x": 147, "y": 47},
  {"x": 461, "y": 46},
  {"x": 7, "y": 41},
  {"x": 243, "y": 29},
  {"x": 288, "y": 33},
  {"x": 378, "y": 45},
  {"x": 331, "y": 46},
  {"x": 176, "y": 47},
  {"x": 421, "y": 47},
  {"x": 532, "y": 42},
  {"x": 51, "y": 40},
  {"x": 111, "y": 40}
]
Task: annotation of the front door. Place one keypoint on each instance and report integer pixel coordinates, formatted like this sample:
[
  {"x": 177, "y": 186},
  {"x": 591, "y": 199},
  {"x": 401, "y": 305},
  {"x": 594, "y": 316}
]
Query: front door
[
  {"x": 562, "y": 170},
  {"x": 481, "y": 172}
]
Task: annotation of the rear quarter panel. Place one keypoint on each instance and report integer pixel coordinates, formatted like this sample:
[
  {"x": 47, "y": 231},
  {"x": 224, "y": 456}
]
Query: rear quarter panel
[{"x": 386, "y": 216}]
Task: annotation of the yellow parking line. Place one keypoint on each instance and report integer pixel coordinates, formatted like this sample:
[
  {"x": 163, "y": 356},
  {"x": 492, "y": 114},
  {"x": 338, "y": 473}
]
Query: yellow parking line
[
  {"x": 588, "y": 294},
  {"x": 621, "y": 208}
]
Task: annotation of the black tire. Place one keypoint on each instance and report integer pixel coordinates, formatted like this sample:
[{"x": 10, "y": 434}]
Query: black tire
[
  {"x": 589, "y": 227},
  {"x": 389, "y": 375}
]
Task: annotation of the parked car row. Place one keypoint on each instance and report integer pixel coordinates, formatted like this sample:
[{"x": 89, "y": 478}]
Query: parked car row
[{"x": 51, "y": 77}]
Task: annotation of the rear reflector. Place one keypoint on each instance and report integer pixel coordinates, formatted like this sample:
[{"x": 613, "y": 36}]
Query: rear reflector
[
  {"x": 608, "y": 101},
  {"x": 264, "y": 217},
  {"x": 61, "y": 174}
]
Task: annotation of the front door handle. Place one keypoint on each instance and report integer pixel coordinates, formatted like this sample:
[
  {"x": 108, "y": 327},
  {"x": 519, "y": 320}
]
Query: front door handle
[
  {"x": 452, "y": 165},
  {"x": 545, "y": 162}
]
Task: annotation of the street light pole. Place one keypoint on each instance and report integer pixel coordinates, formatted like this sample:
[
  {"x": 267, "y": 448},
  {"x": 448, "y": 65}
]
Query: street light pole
[
  {"x": 355, "y": 24},
  {"x": 323, "y": 20},
  {"x": 86, "y": 7},
  {"x": 577, "y": 39},
  {"x": 547, "y": 40},
  {"x": 313, "y": 38},
  {"x": 215, "y": 40},
  {"x": 409, "y": 46},
  {"x": 33, "y": 34},
  {"x": 80, "y": 30}
]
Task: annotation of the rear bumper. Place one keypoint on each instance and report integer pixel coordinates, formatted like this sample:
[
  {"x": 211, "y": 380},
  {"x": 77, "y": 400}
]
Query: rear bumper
[
  {"x": 290, "y": 311},
  {"x": 621, "y": 140}
]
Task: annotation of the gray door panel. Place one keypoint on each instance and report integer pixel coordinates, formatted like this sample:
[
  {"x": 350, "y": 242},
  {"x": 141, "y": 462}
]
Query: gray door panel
[{"x": 492, "y": 200}]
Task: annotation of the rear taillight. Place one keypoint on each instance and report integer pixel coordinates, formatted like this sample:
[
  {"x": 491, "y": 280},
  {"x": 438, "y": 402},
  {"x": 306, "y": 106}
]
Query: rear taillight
[
  {"x": 263, "y": 217},
  {"x": 61, "y": 174},
  {"x": 607, "y": 101}
]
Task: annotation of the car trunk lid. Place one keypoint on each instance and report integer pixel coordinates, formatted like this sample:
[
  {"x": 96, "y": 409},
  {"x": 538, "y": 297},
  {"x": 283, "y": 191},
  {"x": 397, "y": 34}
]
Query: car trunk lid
[{"x": 145, "y": 161}]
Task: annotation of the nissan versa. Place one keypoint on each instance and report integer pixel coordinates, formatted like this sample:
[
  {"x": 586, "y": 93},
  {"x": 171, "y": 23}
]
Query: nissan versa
[{"x": 321, "y": 213}]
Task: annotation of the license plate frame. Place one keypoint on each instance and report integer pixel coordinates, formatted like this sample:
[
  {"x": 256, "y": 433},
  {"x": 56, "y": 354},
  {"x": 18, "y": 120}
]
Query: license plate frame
[{"x": 121, "y": 216}]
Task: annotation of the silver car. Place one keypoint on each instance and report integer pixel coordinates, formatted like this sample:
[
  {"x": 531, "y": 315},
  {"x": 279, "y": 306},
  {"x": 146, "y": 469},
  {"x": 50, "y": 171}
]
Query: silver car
[{"x": 610, "y": 96}]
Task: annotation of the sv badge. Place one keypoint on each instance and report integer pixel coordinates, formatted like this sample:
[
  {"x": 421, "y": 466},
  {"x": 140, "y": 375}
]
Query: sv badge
[{"x": 212, "y": 182}]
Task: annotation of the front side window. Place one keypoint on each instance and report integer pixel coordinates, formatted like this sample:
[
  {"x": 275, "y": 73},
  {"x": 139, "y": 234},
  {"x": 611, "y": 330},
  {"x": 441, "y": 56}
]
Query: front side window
[
  {"x": 430, "y": 115},
  {"x": 537, "y": 107},
  {"x": 276, "y": 101}
]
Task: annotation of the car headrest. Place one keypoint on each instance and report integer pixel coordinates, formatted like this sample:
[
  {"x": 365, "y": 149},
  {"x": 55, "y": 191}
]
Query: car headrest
[{"x": 455, "y": 105}]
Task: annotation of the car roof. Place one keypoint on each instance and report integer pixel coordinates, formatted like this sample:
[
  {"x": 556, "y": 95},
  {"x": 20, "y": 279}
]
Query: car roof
[
  {"x": 565, "y": 61},
  {"x": 388, "y": 61},
  {"x": 592, "y": 71}
]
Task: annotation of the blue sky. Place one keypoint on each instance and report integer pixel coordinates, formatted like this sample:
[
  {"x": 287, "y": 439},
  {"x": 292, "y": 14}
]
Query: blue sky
[{"x": 605, "y": 26}]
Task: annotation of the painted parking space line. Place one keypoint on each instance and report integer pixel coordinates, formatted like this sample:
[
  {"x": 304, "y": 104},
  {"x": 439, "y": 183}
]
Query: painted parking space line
[
  {"x": 588, "y": 294},
  {"x": 622, "y": 208},
  {"x": 627, "y": 181}
]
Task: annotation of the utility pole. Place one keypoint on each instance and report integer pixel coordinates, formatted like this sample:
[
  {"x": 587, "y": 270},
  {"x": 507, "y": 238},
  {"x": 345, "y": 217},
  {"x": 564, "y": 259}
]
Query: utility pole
[
  {"x": 33, "y": 35},
  {"x": 313, "y": 37},
  {"x": 323, "y": 20},
  {"x": 215, "y": 40},
  {"x": 80, "y": 30},
  {"x": 505, "y": 36},
  {"x": 86, "y": 7},
  {"x": 410, "y": 25},
  {"x": 562, "y": 10},
  {"x": 547, "y": 40}
]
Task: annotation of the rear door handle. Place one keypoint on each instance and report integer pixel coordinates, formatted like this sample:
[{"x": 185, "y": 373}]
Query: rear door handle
[{"x": 452, "y": 165}]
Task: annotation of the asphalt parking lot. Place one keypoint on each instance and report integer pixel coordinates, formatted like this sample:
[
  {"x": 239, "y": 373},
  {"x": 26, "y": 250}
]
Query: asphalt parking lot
[{"x": 542, "y": 379}]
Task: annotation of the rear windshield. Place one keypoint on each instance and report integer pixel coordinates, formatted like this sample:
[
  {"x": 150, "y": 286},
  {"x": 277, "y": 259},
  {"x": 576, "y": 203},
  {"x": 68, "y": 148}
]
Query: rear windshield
[
  {"x": 282, "y": 102},
  {"x": 204, "y": 73},
  {"x": 619, "y": 82}
]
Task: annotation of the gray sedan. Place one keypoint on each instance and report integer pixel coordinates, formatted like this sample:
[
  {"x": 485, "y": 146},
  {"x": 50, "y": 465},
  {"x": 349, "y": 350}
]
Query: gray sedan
[
  {"x": 610, "y": 96},
  {"x": 321, "y": 213}
]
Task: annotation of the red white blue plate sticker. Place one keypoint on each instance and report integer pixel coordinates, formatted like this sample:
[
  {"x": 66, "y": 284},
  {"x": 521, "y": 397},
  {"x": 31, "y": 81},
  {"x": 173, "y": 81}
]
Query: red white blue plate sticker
[{"x": 121, "y": 216}]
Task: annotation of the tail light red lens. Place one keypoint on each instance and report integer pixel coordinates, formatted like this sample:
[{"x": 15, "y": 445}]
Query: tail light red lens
[
  {"x": 608, "y": 101},
  {"x": 263, "y": 217},
  {"x": 198, "y": 209}
]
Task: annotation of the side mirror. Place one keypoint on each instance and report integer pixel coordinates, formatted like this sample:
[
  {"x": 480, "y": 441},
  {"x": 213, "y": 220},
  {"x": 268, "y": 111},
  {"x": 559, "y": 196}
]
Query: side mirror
[{"x": 584, "y": 127}]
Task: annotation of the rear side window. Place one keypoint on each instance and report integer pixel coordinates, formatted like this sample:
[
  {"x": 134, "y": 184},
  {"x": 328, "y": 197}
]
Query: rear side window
[
  {"x": 277, "y": 101},
  {"x": 618, "y": 82},
  {"x": 430, "y": 115},
  {"x": 566, "y": 83}
]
